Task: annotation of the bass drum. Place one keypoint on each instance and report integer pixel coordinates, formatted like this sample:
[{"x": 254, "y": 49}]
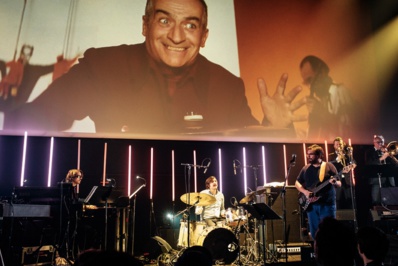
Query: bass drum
[{"x": 221, "y": 243}]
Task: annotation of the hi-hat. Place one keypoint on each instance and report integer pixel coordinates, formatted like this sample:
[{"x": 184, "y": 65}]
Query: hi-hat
[{"x": 198, "y": 199}]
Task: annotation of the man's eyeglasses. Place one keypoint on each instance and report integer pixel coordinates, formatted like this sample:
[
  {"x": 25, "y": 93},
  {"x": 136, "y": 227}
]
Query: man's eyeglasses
[
  {"x": 379, "y": 142},
  {"x": 78, "y": 176}
]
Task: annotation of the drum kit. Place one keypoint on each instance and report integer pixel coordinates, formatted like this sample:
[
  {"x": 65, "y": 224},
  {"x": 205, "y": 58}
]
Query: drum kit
[{"x": 232, "y": 239}]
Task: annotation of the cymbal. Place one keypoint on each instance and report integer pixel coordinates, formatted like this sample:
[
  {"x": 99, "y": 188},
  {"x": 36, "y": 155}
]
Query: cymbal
[
  {"x": 198, "y": 199},
  {"x": 249, "y": 197}
]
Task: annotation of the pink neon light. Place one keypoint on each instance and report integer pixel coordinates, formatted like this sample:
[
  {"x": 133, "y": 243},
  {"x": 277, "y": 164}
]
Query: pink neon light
[
  {"x": 305, "y": 154},
  {"x": 78, "y": 153},
  {"x": 263, "y": 162},
  {"x": 78, "y": 160},
  {"x": 195, "y": 172},
  {"x": 151, "y": 188},
  {"x": 50, "y": 162},
  {"x": 284, "y": 160},
  {"x": 104, "y": 169},
  {"x": 352, "y": 170},
  {"x": 25, "y": 142},
  {"x": 172, "y": 177},
  {"x": 220, "y": 169},
  {"x": 326, "y": 151},
  {"x": 129, "y": 172},
  {"x": 244, "y": 171}
]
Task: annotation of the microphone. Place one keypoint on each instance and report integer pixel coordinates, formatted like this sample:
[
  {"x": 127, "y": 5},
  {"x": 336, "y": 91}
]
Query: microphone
[
  {"x": 293, "y": 160},
  {"x": 207, "y": 166},
  {"x": 110, "y": 182},
  {"x": 139, "y": 177},
  {"x": 234, "y": 165}
]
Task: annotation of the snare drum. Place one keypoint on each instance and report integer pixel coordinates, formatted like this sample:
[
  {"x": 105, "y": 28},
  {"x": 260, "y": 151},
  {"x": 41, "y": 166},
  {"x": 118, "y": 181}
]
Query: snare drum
[{"x": 221, "y": 243}]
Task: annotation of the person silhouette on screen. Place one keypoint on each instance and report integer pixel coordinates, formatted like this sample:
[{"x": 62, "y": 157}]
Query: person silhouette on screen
[
  {"x": 330, "y": 105},
  {"x": 157, "y": 86}
]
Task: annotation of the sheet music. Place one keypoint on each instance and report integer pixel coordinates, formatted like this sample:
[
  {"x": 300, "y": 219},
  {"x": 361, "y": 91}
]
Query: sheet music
[{"x": 87, "y": 199}]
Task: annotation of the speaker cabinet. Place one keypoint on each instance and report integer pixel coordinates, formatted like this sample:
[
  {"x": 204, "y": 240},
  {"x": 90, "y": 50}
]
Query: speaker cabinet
[{"x": 274, "y": 228}]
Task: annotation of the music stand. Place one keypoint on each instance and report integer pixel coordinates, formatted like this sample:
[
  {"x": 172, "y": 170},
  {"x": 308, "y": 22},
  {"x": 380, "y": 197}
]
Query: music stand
[
  {"x": 262, "y": 211},
  {"x": 382, "y": 170},
  {"x": 379, "y": 171},
  {"x": 269, "y": 193},
  {"x": 99, "y": 196}
]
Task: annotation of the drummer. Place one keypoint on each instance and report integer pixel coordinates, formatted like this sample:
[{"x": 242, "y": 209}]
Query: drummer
[{"x": 215, "y": 212}]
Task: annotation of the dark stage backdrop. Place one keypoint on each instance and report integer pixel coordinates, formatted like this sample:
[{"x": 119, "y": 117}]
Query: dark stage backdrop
[{"x": 65, "y": 157}]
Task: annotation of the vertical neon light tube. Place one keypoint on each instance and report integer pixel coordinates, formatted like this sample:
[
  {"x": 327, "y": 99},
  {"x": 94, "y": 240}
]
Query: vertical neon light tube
[
  {"x": 151, "y": 171},
  {"x": 173, "y": 173},
  {"x": 264, "y": 167},
  {"x": 195, "y": 172},
  {"x": 326, "y": 151},
  {"x": 104, "y": 168},
  {"x": 129, "y": 172},
  {"x": 25, "y": 142},
  {"x": 284, "y": 161},
  {"x": 78, "y": 153},
  {"x": 305, "y": 154},
  {"x": 352, "y": 170},
  {"x": 50, "y": 162},
  {"x": 78, "y": 160},
  {"x": 244, "y": 170},
  {"x": 220, "y": 169}
]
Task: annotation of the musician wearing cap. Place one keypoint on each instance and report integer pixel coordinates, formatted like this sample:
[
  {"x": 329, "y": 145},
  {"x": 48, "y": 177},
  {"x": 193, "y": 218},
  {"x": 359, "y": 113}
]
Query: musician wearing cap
[
  {"x": 316, "y": 183},
  {"x": 342, "y": 158},
  {"x": 215, "y": 211},
  {"x": 381, "y": 176}
]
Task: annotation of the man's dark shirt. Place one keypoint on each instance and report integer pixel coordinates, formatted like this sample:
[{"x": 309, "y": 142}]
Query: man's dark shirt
[
  {"x": 309, "y": 179},
  {"x": 119, "y": 87}
]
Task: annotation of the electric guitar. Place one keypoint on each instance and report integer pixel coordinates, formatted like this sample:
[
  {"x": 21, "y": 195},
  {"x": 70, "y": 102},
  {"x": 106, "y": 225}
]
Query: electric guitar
[{"x": 304, "y": 202}]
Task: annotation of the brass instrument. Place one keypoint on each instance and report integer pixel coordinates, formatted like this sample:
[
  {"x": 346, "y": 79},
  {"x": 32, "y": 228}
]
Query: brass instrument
[{"x": 391, "y": 149}]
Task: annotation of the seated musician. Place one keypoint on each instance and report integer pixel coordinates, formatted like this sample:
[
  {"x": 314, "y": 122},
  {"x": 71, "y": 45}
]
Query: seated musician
[
  {"x": 74, "y": 176},
  {"x": 213, "y": 212}
]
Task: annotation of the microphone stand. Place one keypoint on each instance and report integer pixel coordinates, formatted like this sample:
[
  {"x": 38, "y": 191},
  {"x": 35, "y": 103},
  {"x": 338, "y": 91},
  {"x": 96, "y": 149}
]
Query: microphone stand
[
  {"x": 255, "y": 169},
  {"x": 283, "y": 195},
  {"x": 133, "y": 218},
  {"x": 188, "y": 168}
]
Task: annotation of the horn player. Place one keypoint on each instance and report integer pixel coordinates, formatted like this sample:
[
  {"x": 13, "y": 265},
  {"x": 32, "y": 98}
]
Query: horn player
[{"x": 378, "y": 155}]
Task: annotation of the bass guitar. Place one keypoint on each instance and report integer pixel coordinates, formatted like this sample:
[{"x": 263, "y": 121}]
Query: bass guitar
[{"x": 304, "y": 202}]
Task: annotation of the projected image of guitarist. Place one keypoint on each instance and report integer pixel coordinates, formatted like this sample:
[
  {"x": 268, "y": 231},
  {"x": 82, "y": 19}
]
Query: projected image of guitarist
[{"x": 316, "y": 183}]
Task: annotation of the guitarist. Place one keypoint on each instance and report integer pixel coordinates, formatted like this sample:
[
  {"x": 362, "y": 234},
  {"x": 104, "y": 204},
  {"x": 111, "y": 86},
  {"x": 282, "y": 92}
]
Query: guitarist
[{"x": 317, "y": 173}]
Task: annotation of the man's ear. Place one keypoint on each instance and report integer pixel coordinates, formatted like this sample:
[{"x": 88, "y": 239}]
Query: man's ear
[
  {"x": 204, "y": 38},
  {"x": 144, "y": 25}
]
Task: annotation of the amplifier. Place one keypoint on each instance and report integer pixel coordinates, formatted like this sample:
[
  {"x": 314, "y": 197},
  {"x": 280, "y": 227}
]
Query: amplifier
[
  {"x": 292, "y": 249},
  {"x": 25, "y": 210},
  {"x": 43, "y": 255}
]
